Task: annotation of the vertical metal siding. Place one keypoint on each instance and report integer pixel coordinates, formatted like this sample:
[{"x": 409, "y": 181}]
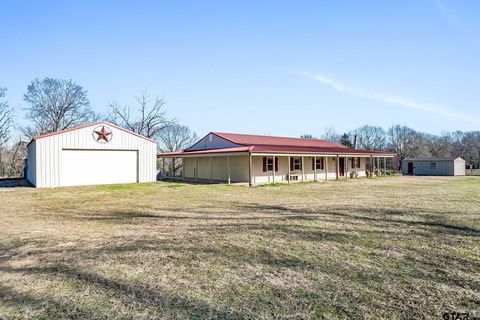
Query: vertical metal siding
[{"x": 47, "y": 153}]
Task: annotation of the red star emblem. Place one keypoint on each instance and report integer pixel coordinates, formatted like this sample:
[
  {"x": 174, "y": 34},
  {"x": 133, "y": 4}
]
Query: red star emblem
[{"x": 102, "y": 134}]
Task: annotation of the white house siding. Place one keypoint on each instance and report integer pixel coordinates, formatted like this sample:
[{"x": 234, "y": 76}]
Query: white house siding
[
  {"x": 48, "y": 153},
  {"x": 309, "y": 174},
  {"x": 189, "y": 168},
  {"x": 239, "y": 169}
]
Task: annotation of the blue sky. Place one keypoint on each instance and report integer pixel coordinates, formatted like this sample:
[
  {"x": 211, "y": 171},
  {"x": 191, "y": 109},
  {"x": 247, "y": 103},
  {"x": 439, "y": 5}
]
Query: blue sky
[{"x": 264, "y": 67}]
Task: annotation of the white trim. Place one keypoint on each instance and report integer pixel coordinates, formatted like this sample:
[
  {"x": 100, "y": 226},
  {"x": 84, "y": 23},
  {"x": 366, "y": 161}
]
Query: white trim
[
  {"x": 245, "y": 153},
  {"x": 203, "y": 155}
]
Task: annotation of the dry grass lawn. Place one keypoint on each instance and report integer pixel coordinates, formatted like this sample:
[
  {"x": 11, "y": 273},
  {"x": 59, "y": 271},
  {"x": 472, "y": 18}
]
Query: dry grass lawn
[{"x": 386, "y": 248}]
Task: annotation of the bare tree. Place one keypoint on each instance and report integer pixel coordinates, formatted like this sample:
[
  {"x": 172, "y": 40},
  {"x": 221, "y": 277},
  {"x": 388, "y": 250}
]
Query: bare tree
[
  {"x": 151, "y": 120},
  {"x": 14, "y": 159},
  {"x": 5, "y": 126},
  {"x": 175, "y": 137},
  {"x": 404, "y": 141},
  {"x": 331, "y": 135},
  {"x": 6, "y": 118},
  {"x": 469, "y": 148},
  {"x": 370, "y": 137},
  {"x": 55, "y": 104}
]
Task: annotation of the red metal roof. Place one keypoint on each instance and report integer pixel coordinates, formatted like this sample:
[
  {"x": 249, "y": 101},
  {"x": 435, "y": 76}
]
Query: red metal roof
[
  {"x": 313, "y": 150},
  {"x": 250, "y": 139},
  {"x": 277, "y": 145},
  {"x": 90, "y": 125}
]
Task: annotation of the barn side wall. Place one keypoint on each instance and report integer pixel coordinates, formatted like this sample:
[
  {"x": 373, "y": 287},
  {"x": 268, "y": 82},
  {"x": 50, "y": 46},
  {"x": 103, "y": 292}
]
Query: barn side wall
[{"x": 31, "y": 163}]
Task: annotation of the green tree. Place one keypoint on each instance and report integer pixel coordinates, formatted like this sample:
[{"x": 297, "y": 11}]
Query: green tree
[{"x": 345, "y": 141}]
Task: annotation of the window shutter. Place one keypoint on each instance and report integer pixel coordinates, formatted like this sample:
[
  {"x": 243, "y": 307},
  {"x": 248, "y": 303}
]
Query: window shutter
[
  {"x": 291, "y": 164},
  {"x": 300, "y": 161},
  {"x": 353, "y": 163},
  {"x": 264, "y": 164},
  {"x": 322, "y": 165},
  {"x": 276, "y": 163},
  {"x": 358, "y": 162},
  {"x": 313, "y": 163}
]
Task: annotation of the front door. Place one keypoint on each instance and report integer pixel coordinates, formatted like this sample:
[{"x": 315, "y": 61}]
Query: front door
[
  {"x": 342, "y": 167},
  {"x": 410, "y": 168}
]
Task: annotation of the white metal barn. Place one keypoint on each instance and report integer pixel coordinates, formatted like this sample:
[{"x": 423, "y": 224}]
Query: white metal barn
[
  {"x": 433, "y": 166},
  {"x": 97, "y": 153}
]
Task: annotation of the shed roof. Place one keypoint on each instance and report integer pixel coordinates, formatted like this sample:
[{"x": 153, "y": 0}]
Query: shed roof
[{"x": 432, "y": 159}]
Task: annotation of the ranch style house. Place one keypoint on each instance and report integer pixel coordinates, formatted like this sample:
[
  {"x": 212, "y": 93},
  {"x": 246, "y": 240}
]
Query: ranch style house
[{"x": 259, "y": 159}]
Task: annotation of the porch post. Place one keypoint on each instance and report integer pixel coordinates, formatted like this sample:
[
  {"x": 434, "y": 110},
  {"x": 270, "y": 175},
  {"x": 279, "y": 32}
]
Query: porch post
[
  {"x": 385, "y": 165},
  {"x": 228, "y": 168},
  {"x": 273, "y": 167},
  {"x": 371, "y": 166},
  {"x": 345, "y": 165},
  {"x": 315, "y": 168},
  {"x": 336, "y": 167},
  {"x": 196, "y": 169},
  {"x": 303, "y": 170},
  {"x": 288, "y": 177},
  {"x": 249, "y": 169},
  {"x": 325, "y": 167},
  {"x": 164, "y": 174}
]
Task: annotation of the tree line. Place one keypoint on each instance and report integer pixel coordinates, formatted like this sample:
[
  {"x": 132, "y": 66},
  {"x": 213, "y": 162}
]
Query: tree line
[
  {"x": 407, "y": 142},
  {"x": 57, "y": 104}
]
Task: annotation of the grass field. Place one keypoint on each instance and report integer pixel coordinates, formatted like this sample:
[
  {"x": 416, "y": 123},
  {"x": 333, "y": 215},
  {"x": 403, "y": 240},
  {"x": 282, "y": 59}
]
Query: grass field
[{"x": 385, "y": 248}]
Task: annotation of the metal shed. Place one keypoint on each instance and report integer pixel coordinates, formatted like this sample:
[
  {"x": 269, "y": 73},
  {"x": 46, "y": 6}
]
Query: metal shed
[
  {"x": 433, "y": 166},
  {"x": 97, "y": 153}
]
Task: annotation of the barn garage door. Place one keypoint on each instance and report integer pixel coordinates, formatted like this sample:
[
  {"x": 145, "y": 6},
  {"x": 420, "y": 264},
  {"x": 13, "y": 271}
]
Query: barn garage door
[{"x": 89, "y": 167}]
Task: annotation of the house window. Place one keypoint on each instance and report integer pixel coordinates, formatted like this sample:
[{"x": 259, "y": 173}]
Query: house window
[
  {"x": 297, "y": 164},
  {"x": 355, "y": 162},
  {"x": 433, "y": 165},
  {"x": 270, "y": 164},
  {"x": 319, "y": 163}
]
